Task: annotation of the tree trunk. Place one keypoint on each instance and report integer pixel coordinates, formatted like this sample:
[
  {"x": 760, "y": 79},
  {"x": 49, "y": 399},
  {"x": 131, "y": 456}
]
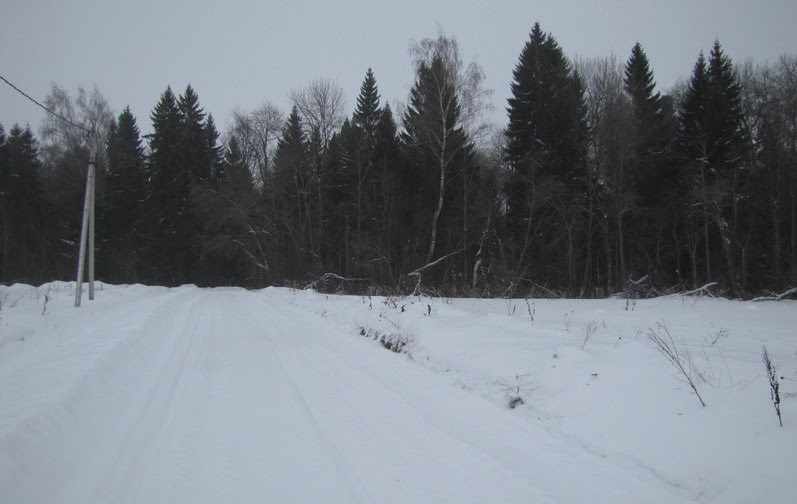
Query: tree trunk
[
  {"x": 707, "y": 247},
  {"x": 609, "y": 256},
  {"x": 621, "y": 249},
  {"x": 793, "y": 237},
  {"x": 5, "y": 248},
  {"x": 436, "y": 216},
  {"x": 529, "y": 219},
  {"x": 776, "y": 249},
  {"x": 586, "y": 285}
]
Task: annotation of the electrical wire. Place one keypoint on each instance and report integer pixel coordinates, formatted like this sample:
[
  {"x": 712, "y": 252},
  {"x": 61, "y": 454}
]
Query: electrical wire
[{"x": 56, "y": 114}]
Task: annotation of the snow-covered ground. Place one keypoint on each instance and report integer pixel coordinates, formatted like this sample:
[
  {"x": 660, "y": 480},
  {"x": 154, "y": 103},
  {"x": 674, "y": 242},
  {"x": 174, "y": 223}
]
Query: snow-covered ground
[{"x": 153, "y": 395}]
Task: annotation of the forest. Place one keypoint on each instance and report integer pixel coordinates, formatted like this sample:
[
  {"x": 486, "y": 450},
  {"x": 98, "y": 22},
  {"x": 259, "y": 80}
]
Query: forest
[{"x": 597, "y": 184}]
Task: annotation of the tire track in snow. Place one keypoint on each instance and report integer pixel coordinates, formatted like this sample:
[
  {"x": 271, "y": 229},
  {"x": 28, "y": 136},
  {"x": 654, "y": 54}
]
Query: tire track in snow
[
  {"x": 376, "y": 431},
  {"x": 233, "y": 396},
  {"x": 297, "y": 461},
  {"x": 523, "y": 449},
  {"x": 149, "y": 456},
  {"x": 88, "y": 429}
]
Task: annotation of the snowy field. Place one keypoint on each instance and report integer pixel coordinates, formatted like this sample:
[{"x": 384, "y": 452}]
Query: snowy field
[{"x": 158, "y": 395}]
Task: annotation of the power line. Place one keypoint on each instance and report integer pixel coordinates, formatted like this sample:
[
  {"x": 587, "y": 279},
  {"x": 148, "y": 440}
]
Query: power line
[{"x": 56, "y": 114}]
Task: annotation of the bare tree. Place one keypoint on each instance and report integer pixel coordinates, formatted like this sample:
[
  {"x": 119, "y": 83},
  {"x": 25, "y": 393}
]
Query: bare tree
[
  {"x": 455, "y": 103},
  {"x": 322, "y": 107},
  {"x": 89, "y": 110},
  {"x": 611, "y": 131},
  {"x": 257, "y": 133},
  {"x": 65, "y": 152}
]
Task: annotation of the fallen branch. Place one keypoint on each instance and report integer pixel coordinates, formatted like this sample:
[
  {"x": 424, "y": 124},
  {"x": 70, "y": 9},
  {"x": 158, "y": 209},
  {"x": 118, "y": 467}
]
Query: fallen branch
[
  {"x": 261, "y": 265},
  {"x": 552, "y": 294},
  {"x": 641, "y": 288},
  {"x": 417, "y": 272},
  {"x": 701, "y": 290},
  {"x": 778, "y": 297},
  {"x": 333, "y": 276}
]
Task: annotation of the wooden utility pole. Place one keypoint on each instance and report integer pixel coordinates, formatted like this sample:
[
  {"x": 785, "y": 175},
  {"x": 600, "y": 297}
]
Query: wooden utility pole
[{"x": 87, "y": 229}]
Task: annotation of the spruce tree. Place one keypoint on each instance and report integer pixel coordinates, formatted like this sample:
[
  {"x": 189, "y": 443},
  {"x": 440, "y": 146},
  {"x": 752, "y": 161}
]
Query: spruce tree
[
  {"x": 713, "y": 138},
  {"x": 353, "y": 165},
  {"x": 235, "y": 171},
  {"x": 165, "y": 224},
  {"x": 436, "y": 146},
  {"x": 546, "y": 110},
  {"x": 640, "y": 86},
  {"x": 124, "y": 192},
  {"x": 387, "y": 197},
  {"x": 652, "y": 171},
  {"x": 292, "y": 194},
  {"x": 546, "y": 148},
  {"x": 725, "y": 117},
  {"x": 366, "y": 113},
  {"x": 194, "y": 149},
  {"x": 386, "y": 144},
  {"x": 340, "y": 220},
  {"x": 228, "y": 214},
  {"x": 214, "y": 152},
  {"x": 650, "y": 136},
  {"x": 692, "y": 117},
  {"x": 22, "y": 225}
]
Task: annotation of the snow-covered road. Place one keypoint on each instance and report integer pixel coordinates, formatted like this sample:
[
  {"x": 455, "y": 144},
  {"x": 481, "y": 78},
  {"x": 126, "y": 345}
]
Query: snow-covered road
[{"x": 192, "y": 395}]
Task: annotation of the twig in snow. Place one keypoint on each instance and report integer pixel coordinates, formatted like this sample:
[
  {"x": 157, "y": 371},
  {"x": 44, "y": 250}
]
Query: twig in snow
[
  {"x": 679, "y": 357},
  {"x": 774, "y": 386}
]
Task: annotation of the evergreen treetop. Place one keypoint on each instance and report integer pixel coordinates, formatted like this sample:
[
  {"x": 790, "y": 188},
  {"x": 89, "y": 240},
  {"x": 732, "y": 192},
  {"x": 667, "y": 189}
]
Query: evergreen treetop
[
  {"x": 547, "y": 111},
  {"x": 639, "y": 85},
  {"x": 692, "y": 114},
  {"x": 711, "y": 117},
  {"x": 725, "y": 114},
  {"x": 366, "y": 114}
]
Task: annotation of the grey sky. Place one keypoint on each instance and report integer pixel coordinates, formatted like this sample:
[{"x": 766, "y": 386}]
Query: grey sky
[{"x": 241, "y": 53}]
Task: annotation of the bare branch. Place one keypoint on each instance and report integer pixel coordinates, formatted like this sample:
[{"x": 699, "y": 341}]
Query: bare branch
[
  {"x": 322, "y": 106},
  {"x": 676, "y": 355}
]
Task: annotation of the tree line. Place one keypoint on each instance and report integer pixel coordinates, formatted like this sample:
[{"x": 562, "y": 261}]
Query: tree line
[{"x": 598, "y": 184}]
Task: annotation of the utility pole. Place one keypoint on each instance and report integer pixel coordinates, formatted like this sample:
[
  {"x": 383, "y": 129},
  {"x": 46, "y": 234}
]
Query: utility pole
[{"x": 87, "y": 229}]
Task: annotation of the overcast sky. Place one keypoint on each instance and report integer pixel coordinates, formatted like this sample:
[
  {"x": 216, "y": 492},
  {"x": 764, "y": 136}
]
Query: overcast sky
[{"x": 242, "y": 53}]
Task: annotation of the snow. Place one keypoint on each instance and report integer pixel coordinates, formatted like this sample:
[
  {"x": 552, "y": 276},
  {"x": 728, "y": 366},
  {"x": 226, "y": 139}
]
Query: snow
[{"x": 149, "y": 394}]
